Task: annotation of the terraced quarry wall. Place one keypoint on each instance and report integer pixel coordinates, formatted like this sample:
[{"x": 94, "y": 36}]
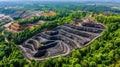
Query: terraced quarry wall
[{"x": 61, "y": 40}]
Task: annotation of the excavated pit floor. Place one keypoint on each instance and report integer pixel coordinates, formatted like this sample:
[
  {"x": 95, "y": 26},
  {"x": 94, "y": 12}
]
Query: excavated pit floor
[{"x": 60, "y": 40}]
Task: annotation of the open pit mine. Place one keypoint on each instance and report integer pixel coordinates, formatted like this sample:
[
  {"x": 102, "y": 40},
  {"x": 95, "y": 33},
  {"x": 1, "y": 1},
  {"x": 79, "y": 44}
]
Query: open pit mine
[{"x": 61, "y": 40}]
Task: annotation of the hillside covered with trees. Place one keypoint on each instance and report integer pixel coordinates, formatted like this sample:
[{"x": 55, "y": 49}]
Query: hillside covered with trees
[{"x": 102, "y": 52}]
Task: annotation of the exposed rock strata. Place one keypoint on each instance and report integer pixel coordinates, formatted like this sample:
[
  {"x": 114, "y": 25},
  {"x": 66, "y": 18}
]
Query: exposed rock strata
[{"x": 60, "y": 41}]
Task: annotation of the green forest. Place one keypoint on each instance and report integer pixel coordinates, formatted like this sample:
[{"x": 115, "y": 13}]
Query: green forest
[{"x": 103, "y": 52}]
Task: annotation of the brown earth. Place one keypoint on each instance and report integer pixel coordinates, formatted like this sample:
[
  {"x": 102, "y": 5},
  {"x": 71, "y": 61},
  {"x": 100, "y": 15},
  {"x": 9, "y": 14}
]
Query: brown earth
[
  {"x": 51, "y": 13},
  {"x": 16, "y": 27}
]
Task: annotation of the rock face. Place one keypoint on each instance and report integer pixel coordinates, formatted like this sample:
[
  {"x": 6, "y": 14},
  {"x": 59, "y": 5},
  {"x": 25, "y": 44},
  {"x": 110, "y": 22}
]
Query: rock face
[{"x": 60, "y": 40}]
